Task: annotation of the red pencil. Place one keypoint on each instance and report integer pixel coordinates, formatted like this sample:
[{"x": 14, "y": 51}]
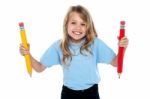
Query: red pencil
[{"x": 121, "y": 49}]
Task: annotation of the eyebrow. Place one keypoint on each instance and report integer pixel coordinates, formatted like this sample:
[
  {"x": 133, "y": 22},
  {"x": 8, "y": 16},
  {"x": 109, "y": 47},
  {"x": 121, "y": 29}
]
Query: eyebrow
[
  {"x": 73, "y": 20},
  {"x": 76, "y": 20}
]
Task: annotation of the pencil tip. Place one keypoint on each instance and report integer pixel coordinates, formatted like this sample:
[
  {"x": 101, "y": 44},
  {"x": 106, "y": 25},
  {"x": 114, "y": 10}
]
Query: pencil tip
[
  {"x": 119, "y": 75},
  {"x": 30, "y": 75}
]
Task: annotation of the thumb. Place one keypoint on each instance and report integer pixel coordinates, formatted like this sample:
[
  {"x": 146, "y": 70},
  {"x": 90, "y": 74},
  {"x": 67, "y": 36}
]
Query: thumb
[{"x": 28, "y": 46}]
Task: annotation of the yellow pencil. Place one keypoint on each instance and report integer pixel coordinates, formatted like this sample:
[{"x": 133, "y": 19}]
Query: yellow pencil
[{"x": 25, "y": 44}]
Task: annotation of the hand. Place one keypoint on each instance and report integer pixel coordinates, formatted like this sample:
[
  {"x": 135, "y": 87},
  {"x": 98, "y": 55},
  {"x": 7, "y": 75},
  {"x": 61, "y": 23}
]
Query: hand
[
  {"x": 123, "y": 42},
  {"x": 23, "y": 50}
]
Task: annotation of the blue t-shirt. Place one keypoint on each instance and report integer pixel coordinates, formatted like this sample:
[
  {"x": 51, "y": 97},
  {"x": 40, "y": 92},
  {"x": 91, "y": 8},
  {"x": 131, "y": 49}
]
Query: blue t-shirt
[{"x": 82, "y": 72}]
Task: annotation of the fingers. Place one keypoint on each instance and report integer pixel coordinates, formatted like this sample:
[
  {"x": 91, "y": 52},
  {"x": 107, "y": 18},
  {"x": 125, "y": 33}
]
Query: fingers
[
  {"x": 123, "y": 42},
  {"x": 23, "y": 50}
]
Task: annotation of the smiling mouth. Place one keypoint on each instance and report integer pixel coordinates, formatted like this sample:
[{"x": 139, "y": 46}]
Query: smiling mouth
[{"x": 76, "y": 33}]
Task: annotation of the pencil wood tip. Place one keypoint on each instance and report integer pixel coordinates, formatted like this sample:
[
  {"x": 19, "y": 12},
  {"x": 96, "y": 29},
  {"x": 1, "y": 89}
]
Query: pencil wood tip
[
  {"x": 30, "y": 75},
  {"x": 119, "y": 75}
]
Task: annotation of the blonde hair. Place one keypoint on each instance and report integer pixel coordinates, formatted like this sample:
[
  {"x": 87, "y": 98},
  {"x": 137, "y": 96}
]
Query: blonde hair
[{"x": 90, "y": 33}]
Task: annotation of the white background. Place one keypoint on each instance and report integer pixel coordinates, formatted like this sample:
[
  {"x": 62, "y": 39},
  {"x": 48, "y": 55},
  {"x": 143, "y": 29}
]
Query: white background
[{"x": 43, "y": 23}]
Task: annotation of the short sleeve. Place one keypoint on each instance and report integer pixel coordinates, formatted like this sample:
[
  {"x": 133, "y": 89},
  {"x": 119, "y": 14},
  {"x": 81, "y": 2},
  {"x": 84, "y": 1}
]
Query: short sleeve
[
  {"x": 104, "y": 53},
  {"x": 51, "y": 56}
]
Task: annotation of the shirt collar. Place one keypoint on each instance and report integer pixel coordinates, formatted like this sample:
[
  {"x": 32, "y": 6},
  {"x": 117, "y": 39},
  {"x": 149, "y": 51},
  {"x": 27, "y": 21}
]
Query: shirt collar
[{"x": 77, "y": 44}]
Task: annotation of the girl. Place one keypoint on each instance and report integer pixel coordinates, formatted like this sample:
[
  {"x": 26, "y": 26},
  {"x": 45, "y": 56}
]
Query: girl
[{"x": 78, "y": 53}]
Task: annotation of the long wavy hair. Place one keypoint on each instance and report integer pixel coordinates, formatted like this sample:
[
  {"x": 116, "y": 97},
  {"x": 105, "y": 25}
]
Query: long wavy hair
[{"x": 90, "y": 32}]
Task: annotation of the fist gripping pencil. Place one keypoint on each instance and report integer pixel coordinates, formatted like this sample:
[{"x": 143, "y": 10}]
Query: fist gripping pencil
[
  {"x": 121, "y": 49},
  {"x": 24, "y": 41}
]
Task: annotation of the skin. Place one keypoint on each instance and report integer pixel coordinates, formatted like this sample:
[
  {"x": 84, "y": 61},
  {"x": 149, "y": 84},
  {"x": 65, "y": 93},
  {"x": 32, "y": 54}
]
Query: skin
[
  {"x": 76, "y": 27},
  {"x": 76, "y": 30},
  {"x": 122, "y": 43},
  {"x": 37, "y": 66}
]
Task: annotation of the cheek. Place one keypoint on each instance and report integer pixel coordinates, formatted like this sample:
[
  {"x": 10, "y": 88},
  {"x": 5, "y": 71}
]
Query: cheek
[
  {"x": 69, "y": 31},
  {"x": 84, "y": 30},
  {"x": 69, "y": 28}
]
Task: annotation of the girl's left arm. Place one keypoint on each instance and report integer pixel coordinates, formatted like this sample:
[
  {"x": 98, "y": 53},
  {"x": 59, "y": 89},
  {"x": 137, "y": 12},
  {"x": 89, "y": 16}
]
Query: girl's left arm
[{"x": 122, "y": 43}]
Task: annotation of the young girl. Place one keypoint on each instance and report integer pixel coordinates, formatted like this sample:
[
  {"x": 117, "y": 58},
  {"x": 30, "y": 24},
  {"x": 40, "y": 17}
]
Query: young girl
[{"x": 78, "y": 53}]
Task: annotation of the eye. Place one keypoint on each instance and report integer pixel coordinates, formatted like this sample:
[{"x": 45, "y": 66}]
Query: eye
[
  {"x": 83, "y": 24},
  {"x": 73, "y": 22}
]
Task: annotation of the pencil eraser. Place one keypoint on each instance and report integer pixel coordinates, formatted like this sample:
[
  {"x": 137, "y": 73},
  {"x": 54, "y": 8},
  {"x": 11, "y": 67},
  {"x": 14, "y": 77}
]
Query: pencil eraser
[
  {"x": 122, "y": 22},
  {"x": 21, "y": 24}
]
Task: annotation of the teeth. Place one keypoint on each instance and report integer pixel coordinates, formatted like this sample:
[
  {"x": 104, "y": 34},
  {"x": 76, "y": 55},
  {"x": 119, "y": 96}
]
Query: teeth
[{"x": 77, "y": 33}]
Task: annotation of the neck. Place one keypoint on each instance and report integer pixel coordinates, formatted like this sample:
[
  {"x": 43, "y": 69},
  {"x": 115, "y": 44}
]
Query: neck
[{"x": 77, "y": 41}]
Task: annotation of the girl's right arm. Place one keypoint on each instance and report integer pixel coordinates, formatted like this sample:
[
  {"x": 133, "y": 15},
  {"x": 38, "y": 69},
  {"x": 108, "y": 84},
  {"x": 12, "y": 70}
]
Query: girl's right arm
[{"x": 37, "y": 66}]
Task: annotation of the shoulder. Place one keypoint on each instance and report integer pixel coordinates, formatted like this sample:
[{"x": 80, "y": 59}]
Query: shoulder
[
  {"x": 98, "y": 41},
  {"x": 55, "y": 46},
  {"x": 56, "y": 43}
]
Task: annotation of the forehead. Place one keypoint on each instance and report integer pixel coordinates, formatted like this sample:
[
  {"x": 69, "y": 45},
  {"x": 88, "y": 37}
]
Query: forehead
[{"x": 76, "y": 16}]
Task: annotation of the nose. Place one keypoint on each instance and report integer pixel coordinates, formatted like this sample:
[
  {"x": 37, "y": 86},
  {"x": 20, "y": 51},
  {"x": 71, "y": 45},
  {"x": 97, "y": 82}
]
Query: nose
[{"x": 78, "y": 26}]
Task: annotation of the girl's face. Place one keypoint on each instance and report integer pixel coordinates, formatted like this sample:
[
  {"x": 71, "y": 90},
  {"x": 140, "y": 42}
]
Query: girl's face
[{"x": 76, "y": 27}]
